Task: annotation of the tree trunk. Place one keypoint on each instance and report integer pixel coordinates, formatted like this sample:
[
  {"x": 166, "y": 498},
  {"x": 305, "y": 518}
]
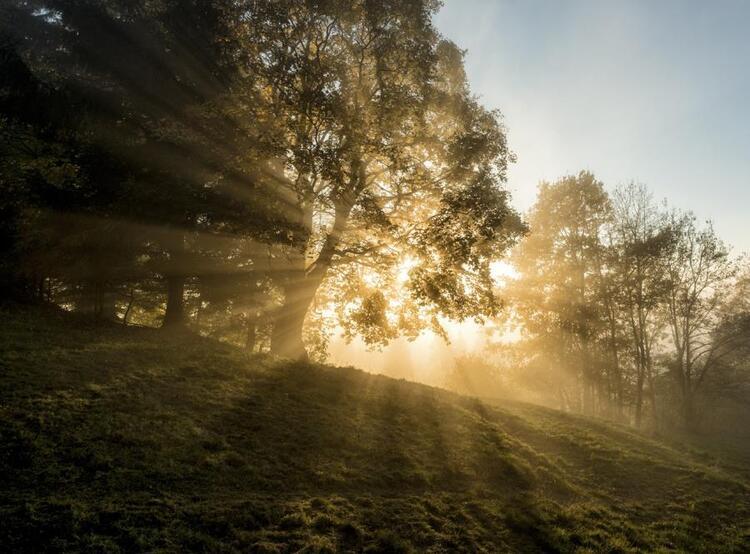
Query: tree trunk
[
  {"x": 107, "y": 309},
  {"x": 652, "y": 391},
  {"x": 300, "y": 289},
  {"x": 129, "y": 307},
  {"x": 175, "y": 276},
  {"x": 688, "y": 408},
  {"x": 175, "y": 314},
  {"x": 286, "y": 337},
  {"x": 639, "y": 400},
  {"x": 251, "y": 337},
  {"x": 616, "y": 378},
  {"x": 588, "y": 379}
]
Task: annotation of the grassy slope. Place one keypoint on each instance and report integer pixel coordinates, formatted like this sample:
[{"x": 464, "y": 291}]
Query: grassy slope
[{"x": 131, "y": 439}]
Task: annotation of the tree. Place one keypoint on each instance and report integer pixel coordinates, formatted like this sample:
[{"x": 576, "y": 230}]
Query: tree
[
  {"x": 557, "y": 294},
  {"x": 640, "y": 240},
  {"x": 699, "y": 272},
  {"x": 36, "y": 164},
  {"x": 727, "y": 382},
  {"x": 152, "y": 83},
  {"x": 381, "y": 153}
]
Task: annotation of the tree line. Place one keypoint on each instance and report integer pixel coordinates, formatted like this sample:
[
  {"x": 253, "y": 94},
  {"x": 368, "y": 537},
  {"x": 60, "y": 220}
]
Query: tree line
[
  {"x": 223, "y": 165},
  {"x": 262, "y": 171},
  {"x": 629, "y": 309}
]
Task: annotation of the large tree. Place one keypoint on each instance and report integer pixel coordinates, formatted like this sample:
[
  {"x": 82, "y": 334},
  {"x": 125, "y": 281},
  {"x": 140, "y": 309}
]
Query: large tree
[
  {"x": 153, "y": 83},
  {"x": 381, "y": 152}
]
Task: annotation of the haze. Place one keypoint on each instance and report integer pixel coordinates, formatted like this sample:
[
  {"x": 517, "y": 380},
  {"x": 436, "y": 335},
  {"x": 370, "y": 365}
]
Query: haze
[
  {"x": 652, "y": 92},
  {"x": 374, "y": 276}
]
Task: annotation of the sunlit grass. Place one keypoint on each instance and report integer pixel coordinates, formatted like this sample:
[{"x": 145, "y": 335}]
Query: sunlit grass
[{"x": 136, "y": 439}]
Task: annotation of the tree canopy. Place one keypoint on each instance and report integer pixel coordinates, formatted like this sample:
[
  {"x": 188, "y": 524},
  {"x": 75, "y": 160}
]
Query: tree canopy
[
  {"x": 271, "y": 173},
  {"x": 242, "y": 158}
]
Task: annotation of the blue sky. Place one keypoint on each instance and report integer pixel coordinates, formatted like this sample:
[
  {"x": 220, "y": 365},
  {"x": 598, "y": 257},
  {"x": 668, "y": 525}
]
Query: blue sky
[{"x": 656, "y": 92}]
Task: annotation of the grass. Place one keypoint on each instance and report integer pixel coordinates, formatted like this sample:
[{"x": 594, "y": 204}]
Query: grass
[{"x": 127, "y": 440}]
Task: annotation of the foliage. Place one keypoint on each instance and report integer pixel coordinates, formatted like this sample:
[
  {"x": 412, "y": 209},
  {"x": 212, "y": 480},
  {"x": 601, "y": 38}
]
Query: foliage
[
  {"x": 243, "y": 153},
  {"x": 625, "y": 307},
  {"x": 556, "y": 296}
]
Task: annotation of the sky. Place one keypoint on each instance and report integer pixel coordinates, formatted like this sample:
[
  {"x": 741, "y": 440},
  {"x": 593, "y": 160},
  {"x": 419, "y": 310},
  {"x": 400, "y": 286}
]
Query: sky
[{"x": 656, "y": 92}]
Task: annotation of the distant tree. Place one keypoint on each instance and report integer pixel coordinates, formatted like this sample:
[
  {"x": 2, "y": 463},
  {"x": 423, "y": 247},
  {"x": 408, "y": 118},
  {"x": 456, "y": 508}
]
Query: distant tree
[
  {"x": 556, "y": 297},
  {"x": 639, "y": 244},
  {"x": 728, "y": 380},
  {"x": 699, "y": 275}
]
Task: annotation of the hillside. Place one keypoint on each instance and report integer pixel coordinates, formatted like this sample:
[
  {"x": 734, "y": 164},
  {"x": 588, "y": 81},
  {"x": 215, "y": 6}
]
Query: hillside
[{"x": 126, "y": 440}]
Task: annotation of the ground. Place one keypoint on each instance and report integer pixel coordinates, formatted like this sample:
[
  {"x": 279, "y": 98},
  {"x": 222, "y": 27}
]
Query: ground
[{"x": 118, "y": 439}]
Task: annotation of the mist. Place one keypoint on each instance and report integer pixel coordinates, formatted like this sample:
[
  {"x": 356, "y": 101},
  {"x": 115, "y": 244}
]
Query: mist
[{"x": 379, "y": 276}]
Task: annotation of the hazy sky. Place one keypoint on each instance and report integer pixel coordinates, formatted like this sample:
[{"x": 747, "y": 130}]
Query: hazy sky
[
  {"x": 652, "y": 91},
  {"x": 656, "y": 91}
]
